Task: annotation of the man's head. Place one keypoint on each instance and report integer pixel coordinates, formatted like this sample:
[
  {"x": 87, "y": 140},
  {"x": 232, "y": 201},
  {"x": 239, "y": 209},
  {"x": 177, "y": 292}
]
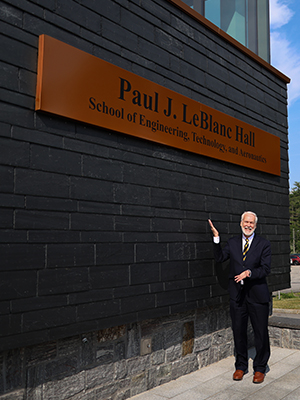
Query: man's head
[{"x": 248, "y": 223}]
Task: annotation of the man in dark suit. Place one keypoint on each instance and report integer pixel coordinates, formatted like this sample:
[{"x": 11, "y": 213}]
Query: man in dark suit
[{"x": 250, "y": 263}]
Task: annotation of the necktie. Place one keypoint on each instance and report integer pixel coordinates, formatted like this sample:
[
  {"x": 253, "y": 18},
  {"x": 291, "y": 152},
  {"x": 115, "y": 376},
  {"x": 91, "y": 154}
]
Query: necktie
[{"x": 246, "y": 248}]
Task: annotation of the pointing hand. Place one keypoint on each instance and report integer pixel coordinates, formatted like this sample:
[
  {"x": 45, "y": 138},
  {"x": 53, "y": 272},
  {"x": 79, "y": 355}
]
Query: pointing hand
[{"x": 213, "y": 229}]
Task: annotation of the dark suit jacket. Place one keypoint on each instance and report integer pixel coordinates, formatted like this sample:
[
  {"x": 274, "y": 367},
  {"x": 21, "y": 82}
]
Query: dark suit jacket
[{"x": 258, "y": 261}]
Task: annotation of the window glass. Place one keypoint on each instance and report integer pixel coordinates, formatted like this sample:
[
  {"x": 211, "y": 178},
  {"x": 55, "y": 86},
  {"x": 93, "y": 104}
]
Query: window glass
[
  {"x": 233, "y": 19},
  {"x": 212, "y": 11},
  {"x": 189, "y": 3},
  {"x": 196, "y": 5},
  {"x": 263, "y": 29},
  {"x": 252, "y": 27},
  {"x": 247, "y": 21}
]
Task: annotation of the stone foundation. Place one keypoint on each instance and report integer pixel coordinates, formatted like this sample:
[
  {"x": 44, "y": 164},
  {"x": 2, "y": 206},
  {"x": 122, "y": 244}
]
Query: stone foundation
[
  {"x": 119, "y": 362},
  {"x": 284, "y": 330}
]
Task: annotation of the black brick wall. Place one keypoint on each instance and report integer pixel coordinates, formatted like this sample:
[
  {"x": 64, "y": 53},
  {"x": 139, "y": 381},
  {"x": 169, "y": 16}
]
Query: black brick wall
[{"x": 97, "y": 228}]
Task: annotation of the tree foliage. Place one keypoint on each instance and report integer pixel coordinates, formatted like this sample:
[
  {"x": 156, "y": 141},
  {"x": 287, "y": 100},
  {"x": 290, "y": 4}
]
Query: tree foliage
[{"x": 295, "y": 218}]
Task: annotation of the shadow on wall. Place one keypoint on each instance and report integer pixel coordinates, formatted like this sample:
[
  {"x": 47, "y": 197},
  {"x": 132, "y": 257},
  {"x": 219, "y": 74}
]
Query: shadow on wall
[{"x": 222, "y": 271}]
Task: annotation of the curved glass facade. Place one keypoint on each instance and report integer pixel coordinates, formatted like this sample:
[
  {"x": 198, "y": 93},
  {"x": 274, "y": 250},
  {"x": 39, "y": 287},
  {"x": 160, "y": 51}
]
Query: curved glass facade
[{"x": 247, "y": 21}]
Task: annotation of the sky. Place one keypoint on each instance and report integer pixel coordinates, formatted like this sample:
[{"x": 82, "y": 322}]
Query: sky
[{"x": 285, "y": 56}]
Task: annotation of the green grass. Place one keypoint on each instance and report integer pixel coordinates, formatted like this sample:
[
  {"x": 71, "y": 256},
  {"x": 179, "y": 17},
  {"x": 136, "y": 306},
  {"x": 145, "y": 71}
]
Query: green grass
[{"x": 287, "y": 301}]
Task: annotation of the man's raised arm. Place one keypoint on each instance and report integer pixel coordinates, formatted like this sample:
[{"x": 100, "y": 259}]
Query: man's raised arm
[{"x": 213, "y": 229}]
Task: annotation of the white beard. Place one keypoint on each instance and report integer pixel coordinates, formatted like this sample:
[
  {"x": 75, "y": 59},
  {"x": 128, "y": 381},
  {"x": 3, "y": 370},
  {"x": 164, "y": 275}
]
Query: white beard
[{"x": 248, "y": 230}]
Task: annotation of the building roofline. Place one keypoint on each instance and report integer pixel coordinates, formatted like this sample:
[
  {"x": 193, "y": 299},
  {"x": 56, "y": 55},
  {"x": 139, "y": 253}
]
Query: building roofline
[{"x": 204, "y": 21}]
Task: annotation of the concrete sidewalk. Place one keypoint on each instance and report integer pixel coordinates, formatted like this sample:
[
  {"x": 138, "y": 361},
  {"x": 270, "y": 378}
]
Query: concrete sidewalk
[{"x": 215, "y": 382}]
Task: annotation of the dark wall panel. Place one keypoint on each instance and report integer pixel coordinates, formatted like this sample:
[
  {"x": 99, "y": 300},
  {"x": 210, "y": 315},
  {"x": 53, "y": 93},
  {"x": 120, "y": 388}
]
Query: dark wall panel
[{"x": 99, "y": 229}]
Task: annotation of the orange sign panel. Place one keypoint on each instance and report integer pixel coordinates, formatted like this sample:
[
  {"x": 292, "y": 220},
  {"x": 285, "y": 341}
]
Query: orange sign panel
[{"x": 77, "y": 85}]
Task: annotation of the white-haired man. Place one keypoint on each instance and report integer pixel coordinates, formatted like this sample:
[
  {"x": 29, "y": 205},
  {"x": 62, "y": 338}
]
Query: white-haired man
[{"x": 250, "y": 263}]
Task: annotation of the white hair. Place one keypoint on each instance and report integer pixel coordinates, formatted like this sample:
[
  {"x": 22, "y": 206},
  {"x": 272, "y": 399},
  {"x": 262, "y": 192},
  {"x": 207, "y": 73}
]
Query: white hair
[{"x": 249, "y": 212}]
